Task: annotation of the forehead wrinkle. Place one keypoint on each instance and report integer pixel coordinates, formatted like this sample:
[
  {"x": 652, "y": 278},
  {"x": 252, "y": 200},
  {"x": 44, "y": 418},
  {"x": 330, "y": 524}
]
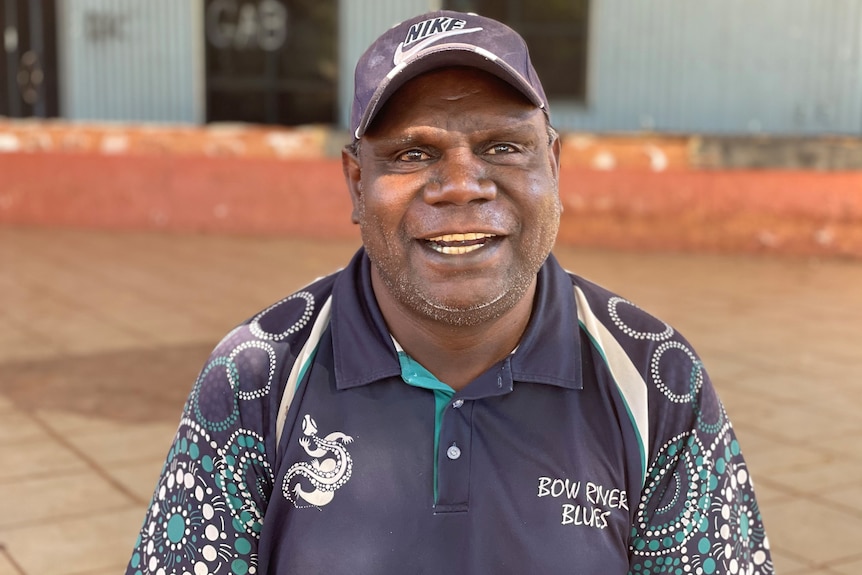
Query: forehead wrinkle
[
  {"x": 422, "y": 134},
  {"x": 460, "y": 95},
  {"x": 408, "y": 137},
  {"x": 435, "y": 121},
  {"x": 418, "y": 134}
]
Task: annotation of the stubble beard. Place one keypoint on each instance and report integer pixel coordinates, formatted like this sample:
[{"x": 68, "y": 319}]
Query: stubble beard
[{"x": 411, "y": 295}]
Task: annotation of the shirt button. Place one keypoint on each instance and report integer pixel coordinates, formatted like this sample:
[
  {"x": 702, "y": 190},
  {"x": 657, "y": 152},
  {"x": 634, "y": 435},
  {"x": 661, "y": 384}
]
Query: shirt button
[
  {"x": 454, "y": 452},
  {"x": 457, "y": 403}
]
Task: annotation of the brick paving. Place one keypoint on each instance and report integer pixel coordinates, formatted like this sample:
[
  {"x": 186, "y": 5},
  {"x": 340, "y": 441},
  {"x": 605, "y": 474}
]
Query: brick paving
[{"x": 102, "y": 334}]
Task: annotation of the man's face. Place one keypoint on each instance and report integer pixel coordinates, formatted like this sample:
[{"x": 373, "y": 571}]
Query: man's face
[{"x": 455, "y": 192}]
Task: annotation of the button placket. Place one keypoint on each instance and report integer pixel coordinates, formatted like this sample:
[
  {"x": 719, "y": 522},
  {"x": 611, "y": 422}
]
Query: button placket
[
  {"x": 454, "y": 452},
  {"x": 453, "y": 459}
]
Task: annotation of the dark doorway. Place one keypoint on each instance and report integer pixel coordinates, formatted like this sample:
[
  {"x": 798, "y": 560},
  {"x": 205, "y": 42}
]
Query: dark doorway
[
  {"x": 271, "y": 61},
  {"x": 28, "y": 67},
  {"x": 556, "y": 32}
]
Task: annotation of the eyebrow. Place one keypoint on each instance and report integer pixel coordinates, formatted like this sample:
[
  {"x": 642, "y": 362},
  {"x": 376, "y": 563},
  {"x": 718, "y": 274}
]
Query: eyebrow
[{"x": 416, "y": 134}]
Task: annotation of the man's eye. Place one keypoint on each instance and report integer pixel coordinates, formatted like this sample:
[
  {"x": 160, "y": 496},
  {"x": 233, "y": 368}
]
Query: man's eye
[
  {"x": 502, "y": 149},
  {"x": 413, "y": 156}
]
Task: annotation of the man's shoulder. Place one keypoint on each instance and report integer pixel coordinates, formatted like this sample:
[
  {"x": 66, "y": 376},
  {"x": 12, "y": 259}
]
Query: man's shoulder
[
  {"x": 292, "y": 314},
  {"x": 635, "y": 328},
  {"x": 608, "y": 304},
  {"x": 286, "y": 322}
]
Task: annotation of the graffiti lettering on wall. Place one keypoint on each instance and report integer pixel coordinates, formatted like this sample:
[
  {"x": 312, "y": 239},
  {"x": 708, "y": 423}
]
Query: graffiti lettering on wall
[
  {"x": 247, "y": 25},
  {"x": 30, "y": 77},
  {"x": 103, "y": 26}
]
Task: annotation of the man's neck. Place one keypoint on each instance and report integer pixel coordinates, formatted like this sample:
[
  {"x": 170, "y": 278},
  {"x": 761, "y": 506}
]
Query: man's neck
[{"x": 456, "y": 355}]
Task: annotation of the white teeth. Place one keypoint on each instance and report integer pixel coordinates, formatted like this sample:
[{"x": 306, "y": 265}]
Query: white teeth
[
  {"x": 455, "y": 250},
  {"x": 459, "y": 244},
  {"x": 460, "y": 237}
]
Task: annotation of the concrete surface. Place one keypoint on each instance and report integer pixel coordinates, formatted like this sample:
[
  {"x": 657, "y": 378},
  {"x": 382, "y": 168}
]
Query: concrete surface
[{"x": 102, "y": 334}]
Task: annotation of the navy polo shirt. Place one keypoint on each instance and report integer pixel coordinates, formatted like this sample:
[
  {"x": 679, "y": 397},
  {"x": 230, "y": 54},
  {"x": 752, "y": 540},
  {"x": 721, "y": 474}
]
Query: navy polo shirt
[{"x": 311, "y": 443}]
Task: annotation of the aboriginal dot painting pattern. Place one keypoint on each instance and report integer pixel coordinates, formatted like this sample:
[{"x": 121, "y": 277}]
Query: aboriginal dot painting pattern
[
  {"x": 697, "y": 513},
  {"x": 207, "y": 511}
]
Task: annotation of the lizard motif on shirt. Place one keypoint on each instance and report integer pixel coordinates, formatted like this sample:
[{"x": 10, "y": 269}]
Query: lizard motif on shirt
[{"x": 325, "y": 474}]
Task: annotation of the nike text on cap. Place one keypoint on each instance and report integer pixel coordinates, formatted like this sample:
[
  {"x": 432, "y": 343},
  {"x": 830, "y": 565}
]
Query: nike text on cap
[{"x": 436, "y": 40}]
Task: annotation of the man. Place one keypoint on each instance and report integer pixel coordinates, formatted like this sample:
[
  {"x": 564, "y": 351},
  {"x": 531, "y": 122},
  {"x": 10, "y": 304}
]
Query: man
[{"x": 453, "y": 401}]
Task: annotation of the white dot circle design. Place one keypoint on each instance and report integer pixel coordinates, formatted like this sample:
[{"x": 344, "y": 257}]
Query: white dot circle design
[
  {"x": 300, "y": 323},
  {"x": 631, "y": 332},
  {"x": 242, "y": 466},
  {"x": 232, "y": 375},
  {"x": 186, "y": 529},
  {"x": 697, "y": 373},
  {"x": 664, "y": 513}
]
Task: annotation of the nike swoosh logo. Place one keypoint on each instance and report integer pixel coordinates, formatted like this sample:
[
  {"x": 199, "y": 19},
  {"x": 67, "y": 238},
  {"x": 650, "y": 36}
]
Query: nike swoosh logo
[{"x": 402, "y": 55}]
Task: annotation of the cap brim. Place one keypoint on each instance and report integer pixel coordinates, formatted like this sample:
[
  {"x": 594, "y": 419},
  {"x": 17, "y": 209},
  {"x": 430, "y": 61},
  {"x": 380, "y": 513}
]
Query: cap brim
[{"x": 442, "y": 57}]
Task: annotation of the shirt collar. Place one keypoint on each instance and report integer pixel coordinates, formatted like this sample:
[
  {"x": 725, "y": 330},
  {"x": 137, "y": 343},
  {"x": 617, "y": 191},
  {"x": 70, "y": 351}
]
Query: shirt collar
[
  {"x": 363, "y": 349},
  {"x": 549, "y": 352}
]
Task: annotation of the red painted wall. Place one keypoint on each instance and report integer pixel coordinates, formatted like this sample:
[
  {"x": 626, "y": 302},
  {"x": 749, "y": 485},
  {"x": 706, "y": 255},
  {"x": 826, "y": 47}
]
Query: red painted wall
[{"x": 628, "y": 193}]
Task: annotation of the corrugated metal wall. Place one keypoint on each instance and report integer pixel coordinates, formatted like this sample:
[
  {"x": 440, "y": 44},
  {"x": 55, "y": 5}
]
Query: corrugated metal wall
[
  {"x": 360, "y": 22},
  {"x": 722, "y": 66},
  {"x": 131, "y": 60},
  {"x": 710, "y": 66}
]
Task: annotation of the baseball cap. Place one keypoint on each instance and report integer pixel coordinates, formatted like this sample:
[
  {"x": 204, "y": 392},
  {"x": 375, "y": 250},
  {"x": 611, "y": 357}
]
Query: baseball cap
[{"x": 435, "y": 40}]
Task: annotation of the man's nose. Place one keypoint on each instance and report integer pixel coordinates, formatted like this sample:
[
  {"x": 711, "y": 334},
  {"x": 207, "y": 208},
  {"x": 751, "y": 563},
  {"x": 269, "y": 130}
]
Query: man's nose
[{"x": 460, "y": 178}]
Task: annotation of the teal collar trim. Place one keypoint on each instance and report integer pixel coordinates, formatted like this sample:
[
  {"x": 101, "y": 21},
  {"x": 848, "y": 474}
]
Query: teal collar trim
[
  {"x": 414, "y": 373},
  {"x": 549, "y": 352}
]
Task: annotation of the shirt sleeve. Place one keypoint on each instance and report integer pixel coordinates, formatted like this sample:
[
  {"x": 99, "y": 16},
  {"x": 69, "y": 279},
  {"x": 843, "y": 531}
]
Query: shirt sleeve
[
  {"x": 698, "y": 512},
  {"x": 206, "y": 513}
]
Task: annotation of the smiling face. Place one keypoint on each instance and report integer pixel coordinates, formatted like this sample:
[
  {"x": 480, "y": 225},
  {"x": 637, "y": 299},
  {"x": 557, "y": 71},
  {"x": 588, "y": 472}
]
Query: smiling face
[{"x": 455, "y": 192}]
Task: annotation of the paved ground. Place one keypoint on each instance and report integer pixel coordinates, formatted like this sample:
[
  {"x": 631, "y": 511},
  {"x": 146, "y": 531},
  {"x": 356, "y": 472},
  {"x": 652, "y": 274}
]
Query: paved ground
[{"x": 101, "y": 336}]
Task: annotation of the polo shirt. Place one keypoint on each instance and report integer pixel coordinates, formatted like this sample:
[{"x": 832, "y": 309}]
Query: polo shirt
[{"x": 312, "y": 443}]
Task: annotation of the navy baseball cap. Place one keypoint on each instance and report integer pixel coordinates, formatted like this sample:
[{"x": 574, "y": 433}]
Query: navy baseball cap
[{"x": 436, "y": 40}]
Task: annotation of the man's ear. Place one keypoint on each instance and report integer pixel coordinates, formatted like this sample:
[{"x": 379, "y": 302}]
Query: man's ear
[
  {"x": 554, "y": 151},
  {"x": 353, "y": 177},
  {"x": 554, "y": 156}
]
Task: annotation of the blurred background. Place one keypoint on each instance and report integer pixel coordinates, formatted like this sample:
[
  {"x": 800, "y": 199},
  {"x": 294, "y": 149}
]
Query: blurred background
[
  {"x": 731, "y": 67},
  {"x": 170, "y": 167}
]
